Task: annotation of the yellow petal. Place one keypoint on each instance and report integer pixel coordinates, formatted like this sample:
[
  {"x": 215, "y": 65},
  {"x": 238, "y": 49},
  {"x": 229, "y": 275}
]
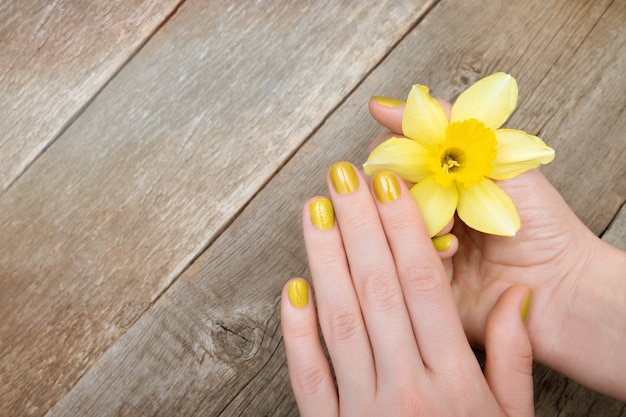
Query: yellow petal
[
  {"x": 490, "y": 100},
  {"x": 424, "y": 119},
  {"x": 436, "y": 203},
  {"x": 486, "y": 208},
  {"x": 517, "y": 152},
  {"x": 405, "y": 157}
]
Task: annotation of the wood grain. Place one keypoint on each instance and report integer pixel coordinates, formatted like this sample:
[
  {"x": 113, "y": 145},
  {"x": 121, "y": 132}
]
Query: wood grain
[
  {"x": 157, "y": 166},
  {"x": 616, "y": 232},
  {"x": 54, "y": 56},
  {"x": 556, "y": 395},
  {"x": 211, "y": 345}
]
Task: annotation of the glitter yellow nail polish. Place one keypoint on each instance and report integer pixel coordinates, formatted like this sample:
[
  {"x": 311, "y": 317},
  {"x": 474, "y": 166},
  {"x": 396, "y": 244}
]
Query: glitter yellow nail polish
[
  {"x": 322, "y": 213},
  {"x": 388, "y": 101},
  {"x": 442, "y": 242},
  {"x": 343, "y": 178},
  {"x": 386, "y": 187},
  {"x": 298, "y": 292}
]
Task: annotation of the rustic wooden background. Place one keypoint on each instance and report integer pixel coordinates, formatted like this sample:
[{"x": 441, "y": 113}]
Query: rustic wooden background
[{"x": 154, "y": 157}]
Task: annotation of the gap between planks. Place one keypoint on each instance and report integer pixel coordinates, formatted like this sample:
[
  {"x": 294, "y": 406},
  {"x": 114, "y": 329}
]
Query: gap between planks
[
  {"x": 70, "y": 121},
  {"x": 428, "y": 7}
]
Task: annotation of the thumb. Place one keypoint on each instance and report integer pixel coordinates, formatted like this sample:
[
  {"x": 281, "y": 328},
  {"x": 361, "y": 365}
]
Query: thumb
[
  {"x": 508, "y": 368},
  {"x": 389, "y": 111}
]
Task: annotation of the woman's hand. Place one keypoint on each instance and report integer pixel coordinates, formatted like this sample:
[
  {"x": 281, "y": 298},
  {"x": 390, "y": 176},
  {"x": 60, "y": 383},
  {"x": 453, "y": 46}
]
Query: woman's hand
[
  {"x": 389, "y": 319},
  {"x": 578, "y": 314}
]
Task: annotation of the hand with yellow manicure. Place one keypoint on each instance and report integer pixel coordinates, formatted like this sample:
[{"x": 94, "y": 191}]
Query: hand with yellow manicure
[
  {"x": 389, "y": 318},
  {"x": 578, "y": 315}
]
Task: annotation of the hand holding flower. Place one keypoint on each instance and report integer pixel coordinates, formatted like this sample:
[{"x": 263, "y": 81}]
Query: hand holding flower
[
  {"x": 453, "y": 161},
  {"x": 578, "y": 313}
]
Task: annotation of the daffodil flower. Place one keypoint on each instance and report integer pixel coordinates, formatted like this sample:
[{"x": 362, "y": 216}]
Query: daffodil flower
[{"x": 453, "y": 162}]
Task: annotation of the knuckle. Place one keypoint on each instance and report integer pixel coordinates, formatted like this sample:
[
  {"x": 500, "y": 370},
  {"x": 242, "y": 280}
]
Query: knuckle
[
  {"x": 400, "y": 222},
  {"x": 358, "y": 222},
  {"x": 311, "y": 379},
  {"x": 423, "y": 279},
  {"x": 381, "y": 289},
  {"x": 345, "y": 324},
  {"x": 328, "y": 257},
  {"x": 299, "y": 331}
]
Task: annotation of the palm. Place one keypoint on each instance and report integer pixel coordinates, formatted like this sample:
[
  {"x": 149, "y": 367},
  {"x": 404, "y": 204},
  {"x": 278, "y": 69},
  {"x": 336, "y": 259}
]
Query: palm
[{"x": 539, "y": 256}]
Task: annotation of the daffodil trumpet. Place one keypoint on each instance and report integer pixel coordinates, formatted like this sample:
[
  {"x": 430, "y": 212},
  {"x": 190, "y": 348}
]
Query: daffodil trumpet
[{"x": 453, "y": 162}]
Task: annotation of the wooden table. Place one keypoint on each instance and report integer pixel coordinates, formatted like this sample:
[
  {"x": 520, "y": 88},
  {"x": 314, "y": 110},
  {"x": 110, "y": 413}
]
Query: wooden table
[{"x": 155, "y": 156}]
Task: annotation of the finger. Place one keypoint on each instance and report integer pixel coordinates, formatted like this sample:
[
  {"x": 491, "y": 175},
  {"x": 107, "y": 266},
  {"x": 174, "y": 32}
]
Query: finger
[
  {"x": 338, "y": 307},
  {"x": 425, "y": 285},
  {"x": 389, "y": 111},
  {"x": 309, "y": 371},
  {"x": 445, "y": 245},
  {"x": 373, "y": 273},
  {"x": 508, "y": 368}
]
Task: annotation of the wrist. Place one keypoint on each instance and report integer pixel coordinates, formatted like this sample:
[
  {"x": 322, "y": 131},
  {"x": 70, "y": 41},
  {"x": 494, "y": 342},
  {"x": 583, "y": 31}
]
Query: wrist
[{"x": 583, "y": 332}]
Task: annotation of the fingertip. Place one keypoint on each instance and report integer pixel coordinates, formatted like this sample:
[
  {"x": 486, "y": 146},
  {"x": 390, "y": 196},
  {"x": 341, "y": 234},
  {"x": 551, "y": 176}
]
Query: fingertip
[
  {"x": 388, "y": 112},
  {"x": 514, "y": 303},
  {"x": 318, "y": 212},
  {"x": 445, "y": 242},
  {"x": 525, "y": 306},
  {"x": 446, "y": 245},
  {"x": 298, "y": 323},
  {"x": 388, "y": 102},
  {"x": 298, "y": 292},
  {"x": 309, "y": 371},
  {"x": 298, "y": 317},
  {"x": 506, "y": 322}
]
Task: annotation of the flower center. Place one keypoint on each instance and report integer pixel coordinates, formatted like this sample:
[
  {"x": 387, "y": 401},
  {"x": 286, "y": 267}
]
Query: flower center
[
  {"x": 465, "y": 155},
  {"x": 449, "y": 162}
]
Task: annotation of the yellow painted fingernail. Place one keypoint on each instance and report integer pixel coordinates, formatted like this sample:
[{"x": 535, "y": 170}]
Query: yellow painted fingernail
[
  {"x": 322, "y": 213},
  {"x": 298, "y": 292},
  {"x": 343, "y": 178},
  {"x": 525, "y": 306},
  {"x": 442, "y": 242},
  {"x": 388, "y": 101},
  {"x": 386, "y": 187}
]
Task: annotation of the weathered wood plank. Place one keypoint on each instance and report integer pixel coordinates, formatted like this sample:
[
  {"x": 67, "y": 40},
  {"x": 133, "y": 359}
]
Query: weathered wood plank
[
  {"x": 215, "y": 330},
  {"x": 156, "y": 166},
  {"x": 54, "y": 56},
  {"x": 556, "y": 395},
  {"x": 616, "y": 232}
]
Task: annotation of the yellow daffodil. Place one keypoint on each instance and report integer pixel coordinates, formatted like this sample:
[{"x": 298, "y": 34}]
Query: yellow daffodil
[{"x": 453, "y": 162}]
